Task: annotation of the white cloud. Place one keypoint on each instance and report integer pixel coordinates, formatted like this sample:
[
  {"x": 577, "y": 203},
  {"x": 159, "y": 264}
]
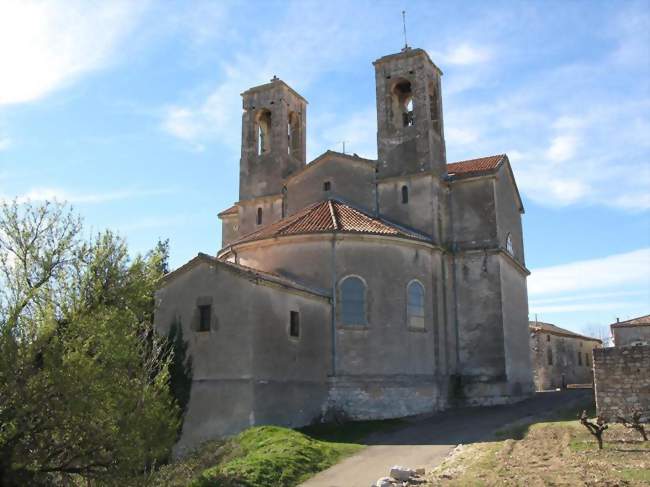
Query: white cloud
[
  {"x": 465, "y": 54},
  {"x": 631, "y": 268},
  {"x": 61, "y": 195},
  {"x": 45, "y": 45},
  {"x": 563, "y": 147},
  {"x": 323, "y": 36}
]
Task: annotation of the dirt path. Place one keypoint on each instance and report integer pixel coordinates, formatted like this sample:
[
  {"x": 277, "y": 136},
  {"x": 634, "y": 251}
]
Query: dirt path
[{"x": 425, "y": 442}]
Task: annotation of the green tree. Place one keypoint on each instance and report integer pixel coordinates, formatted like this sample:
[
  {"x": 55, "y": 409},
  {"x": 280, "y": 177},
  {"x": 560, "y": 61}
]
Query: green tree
[{"x": 84, "y": 381}]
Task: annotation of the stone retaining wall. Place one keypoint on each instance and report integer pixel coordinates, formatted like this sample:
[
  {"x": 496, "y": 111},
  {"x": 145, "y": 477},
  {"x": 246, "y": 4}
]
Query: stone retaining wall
[{"x": 622, "y": 381}]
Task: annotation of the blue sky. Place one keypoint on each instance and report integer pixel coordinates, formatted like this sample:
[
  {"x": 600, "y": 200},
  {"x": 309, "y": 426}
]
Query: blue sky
[{"x": 131, "y": 112}]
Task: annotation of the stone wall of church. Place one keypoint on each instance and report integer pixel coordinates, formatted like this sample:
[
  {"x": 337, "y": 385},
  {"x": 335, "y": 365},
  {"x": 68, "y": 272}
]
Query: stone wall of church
[
  {"x": 386, "y": 345},
  {"x": 363, "y": 398},
  {"x": 350, "y": 179},
  {"x": 247, "y": 368}
]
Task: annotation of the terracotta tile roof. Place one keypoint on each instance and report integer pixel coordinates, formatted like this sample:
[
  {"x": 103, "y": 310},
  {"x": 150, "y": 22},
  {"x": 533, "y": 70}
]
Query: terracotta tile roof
[
  {"x": 640, "y": 321},
  {"x": 233, "y": 210},
  {"x": 331, "y": 216},
  {"x": 473, "y": 166},
  {"x": 537, "y": 326}
]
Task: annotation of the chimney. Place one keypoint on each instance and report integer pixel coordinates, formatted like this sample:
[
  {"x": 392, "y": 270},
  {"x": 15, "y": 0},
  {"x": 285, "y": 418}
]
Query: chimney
[{"x": 617, "y": 320}]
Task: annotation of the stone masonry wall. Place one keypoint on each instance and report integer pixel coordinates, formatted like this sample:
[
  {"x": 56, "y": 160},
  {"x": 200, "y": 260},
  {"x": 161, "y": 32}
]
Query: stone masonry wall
[{"x": 622, "y": 380}]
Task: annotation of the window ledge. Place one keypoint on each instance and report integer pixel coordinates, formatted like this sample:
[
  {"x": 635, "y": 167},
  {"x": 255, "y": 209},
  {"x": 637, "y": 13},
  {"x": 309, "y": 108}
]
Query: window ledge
[{"x": 353, "y": 327}]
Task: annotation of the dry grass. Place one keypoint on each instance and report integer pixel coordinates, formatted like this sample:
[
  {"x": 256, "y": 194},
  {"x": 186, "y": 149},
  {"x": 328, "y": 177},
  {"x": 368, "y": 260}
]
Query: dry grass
[{"x": 555, "y": 453}]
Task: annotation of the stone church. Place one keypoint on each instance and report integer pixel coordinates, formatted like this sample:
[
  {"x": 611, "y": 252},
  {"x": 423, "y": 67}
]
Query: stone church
[{"x": 364, "y": 288}]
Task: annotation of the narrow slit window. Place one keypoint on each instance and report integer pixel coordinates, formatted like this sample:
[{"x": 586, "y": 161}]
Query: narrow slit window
[
  {"x": 549, "y": 356},
  {"x": 405, "y": 194},
  {"x": 327, "y": 186},
  {"x": 294, "y": 324},
  {"x": 579, "y": 358},
  {"x": 259, "y": 216},
  {"x": 587, "y": 360},
  {"x": 205, "y": 315}
]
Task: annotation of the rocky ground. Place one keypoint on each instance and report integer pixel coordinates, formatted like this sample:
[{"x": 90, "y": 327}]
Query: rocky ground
[{"x": 552, "y": 453}]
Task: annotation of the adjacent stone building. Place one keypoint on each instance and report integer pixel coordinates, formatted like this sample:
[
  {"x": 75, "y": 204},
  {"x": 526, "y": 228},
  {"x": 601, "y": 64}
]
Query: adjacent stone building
[
  {"x": 372, "y": 288},
  {"x": 622, "y": 372},
  {"x": 560, "y": 357},
  {"x": 631, "y": 332}
]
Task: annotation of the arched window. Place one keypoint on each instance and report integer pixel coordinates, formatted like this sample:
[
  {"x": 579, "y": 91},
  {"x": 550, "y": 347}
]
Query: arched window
[
  {"x": 259, "y": 216},
  {"x": 405, "y": 194},
  {"x": 402, "y": 104},
  {"x": 353, "y": 301},
  {"x": 509, "y": 248},
  {"x": 263, "y": 132},
  {"x": 415, "y": 305}
]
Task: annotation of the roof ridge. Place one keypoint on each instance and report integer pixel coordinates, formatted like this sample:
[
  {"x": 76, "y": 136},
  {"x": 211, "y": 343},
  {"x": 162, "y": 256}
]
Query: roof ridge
[{"x": 335, "y": 222}]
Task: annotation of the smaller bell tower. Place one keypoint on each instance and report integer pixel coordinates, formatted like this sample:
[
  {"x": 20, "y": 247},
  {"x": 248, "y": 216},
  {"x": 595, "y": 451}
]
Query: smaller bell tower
[
  {"x": 410, "y": 135},
  {"x": 273, "y": 138}
]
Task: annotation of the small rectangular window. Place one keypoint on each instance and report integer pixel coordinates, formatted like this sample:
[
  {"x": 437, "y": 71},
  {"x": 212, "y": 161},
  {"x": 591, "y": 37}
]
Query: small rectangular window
[
  {"x": 587, "y": 360},
  {"x": 579, "y": 358},
  {"x": 548, "y": 338},
  {"x": 327, "y": 185},
  {"x": 205, "y": 314},
  {"x": 294, "y": 324}
]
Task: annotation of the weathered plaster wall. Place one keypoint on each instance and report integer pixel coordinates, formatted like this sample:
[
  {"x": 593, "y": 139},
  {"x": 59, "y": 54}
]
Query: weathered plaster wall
[
  {"x": 350, "y": 180},
  {"x": 247, "y": 357},
  {"x": 508, "y": 214},
  {"x": 622, "y": 381},
  {"x": 229, "y": 229},
  {"x": 473, "y": 213},
  {"x": 422, "y": 211},
  {"x": 480, "y": 323},
  {"x": 571, "y": 357},
  {"x": 386, "y": 349},
  {"x": 514, "y": 306},
  {"x": 271, "y": 212},
  {"x": 628, "y": 335}
]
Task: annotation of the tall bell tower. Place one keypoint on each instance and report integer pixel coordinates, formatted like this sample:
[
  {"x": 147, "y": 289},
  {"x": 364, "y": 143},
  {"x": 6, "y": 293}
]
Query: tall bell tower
[
  {"x": 273, "y": 138},
  {"x": 410, "y": 135}
]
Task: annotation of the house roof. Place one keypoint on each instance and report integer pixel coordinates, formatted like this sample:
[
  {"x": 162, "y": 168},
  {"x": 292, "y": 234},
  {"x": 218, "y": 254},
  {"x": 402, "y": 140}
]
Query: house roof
[
  {"x": 639, "y": 321},
  {"x": 247, "y": 272},
  {"x": 233, "y": 210},
  {"x": 475, "y": 166},
  {"x": 540, "y": 326},
  {"x": 329, "y": 216}
]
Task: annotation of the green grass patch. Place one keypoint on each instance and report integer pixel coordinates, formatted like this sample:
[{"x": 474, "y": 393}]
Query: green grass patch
[{"x": 272, "y": 456}]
